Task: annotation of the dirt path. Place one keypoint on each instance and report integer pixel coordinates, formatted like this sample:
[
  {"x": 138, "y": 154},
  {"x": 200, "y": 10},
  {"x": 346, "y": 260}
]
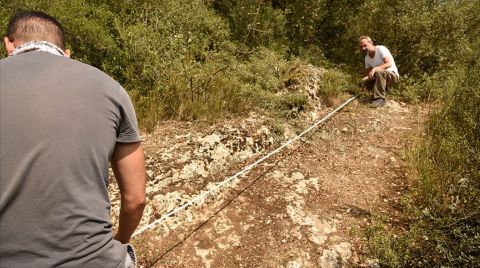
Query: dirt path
[{"x": 302, "y": 208}]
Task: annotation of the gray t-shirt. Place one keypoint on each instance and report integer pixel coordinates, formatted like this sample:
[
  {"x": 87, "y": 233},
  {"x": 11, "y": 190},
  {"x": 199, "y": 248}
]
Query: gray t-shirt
[{"x": 59, "y": 122}]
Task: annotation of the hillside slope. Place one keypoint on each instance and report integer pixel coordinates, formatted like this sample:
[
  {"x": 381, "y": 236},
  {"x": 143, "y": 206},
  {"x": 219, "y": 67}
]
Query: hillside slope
[{"x": 301, "y": 208}]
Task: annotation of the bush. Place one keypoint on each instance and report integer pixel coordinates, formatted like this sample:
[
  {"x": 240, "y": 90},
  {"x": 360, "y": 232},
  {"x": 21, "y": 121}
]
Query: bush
[
  {"x": 444, "y": 203},
  {"x": 333, "y": 83},
  {"x": 434, "y": 87},
  {"x": 449, "y": 183},
  {"x": 254, "y": 23},
  {"x": 175, "y": 58}
]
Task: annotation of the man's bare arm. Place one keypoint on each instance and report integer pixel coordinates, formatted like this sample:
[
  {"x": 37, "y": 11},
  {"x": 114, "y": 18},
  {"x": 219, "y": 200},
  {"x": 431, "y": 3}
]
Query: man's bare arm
[
  {"x": 366, "y": 76},
  {"x": 367, "y": 71},
  {"x": 387, "y": 63},
  {"x": 128, "y": 164}
]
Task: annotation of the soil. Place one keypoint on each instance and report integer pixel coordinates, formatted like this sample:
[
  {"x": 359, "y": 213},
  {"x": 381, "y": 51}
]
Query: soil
[{"x": 303, "y": 207}]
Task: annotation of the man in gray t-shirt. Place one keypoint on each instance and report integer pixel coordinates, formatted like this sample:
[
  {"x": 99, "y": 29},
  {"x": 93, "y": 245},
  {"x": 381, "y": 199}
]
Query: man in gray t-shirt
[{"x": 61, "y": 123}]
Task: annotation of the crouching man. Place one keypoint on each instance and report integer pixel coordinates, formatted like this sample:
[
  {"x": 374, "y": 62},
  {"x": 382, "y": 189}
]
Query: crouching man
[{"x": 380, "y": 70}]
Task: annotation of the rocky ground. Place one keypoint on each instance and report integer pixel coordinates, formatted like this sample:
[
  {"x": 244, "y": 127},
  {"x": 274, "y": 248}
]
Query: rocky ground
[{"x": 303, "y": 207}]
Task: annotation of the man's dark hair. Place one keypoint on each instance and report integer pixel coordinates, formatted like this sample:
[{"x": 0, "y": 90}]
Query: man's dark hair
[{"x": 35, "y": 26}]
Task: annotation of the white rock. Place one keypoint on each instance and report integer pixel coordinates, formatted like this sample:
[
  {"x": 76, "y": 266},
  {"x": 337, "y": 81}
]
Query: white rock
[
  {"x": 336, "y": 257},
  {"x": 293, "y": 264},
  {"x": 373, "y": 263}
]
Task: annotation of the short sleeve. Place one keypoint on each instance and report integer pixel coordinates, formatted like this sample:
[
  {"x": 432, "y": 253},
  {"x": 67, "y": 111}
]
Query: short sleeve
[
  {"x": 384, "y": 52},
  {"x": 127, "y": 131}
]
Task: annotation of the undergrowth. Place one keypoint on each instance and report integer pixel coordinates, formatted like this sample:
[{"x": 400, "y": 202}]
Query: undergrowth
[
  {"x": 196, "y": 59},
  {"x": 442, "y": 208}
]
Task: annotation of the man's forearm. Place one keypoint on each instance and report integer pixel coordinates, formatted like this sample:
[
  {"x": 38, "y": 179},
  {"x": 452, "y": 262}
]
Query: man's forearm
[
  {"x": 383, "y": 67},
  {"x": 387, "y": 63},
  {"x": 130, "y": 216},
  {"x": 367, "y": 71},
  {"x": 128, "y": 165}
]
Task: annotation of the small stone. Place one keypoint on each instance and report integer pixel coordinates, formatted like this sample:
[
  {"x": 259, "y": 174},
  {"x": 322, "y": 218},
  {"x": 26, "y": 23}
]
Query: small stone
[
  {"x": 293, "y": 264},
  {"x": 337, "y": 256},
  {"x": 372, "y": 263}
]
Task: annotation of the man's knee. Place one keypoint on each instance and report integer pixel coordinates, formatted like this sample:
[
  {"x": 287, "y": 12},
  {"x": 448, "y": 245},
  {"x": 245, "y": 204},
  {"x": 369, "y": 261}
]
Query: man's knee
[{"x": 380, "y": 74}]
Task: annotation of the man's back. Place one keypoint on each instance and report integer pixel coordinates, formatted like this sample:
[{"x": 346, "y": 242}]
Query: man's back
[{"x": 59, "y": 123}]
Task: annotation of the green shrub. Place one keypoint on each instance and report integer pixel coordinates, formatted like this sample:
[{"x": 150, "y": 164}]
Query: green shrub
[
  {"x": 333, "y": 83},
  {"x": 444, "y": 204},
  {"x": 434, "y": 87},
  {"x": 424, "y": 36},
  {"x": 254, "y": 23},
  {"x": 290, "y": 105}
]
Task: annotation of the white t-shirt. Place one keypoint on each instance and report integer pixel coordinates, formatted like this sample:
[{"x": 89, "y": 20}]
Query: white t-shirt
[{"x": 377, "y": 60}]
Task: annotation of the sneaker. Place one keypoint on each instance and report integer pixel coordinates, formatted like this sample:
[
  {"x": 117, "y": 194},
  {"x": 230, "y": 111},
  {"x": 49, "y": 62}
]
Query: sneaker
[{"x": 377, "y": 103}]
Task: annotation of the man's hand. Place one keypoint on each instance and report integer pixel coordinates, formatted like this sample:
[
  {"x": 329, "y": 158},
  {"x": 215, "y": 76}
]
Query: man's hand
[
  {"x": 371, "y": 74},
  {"x": 128, "y": 164},
  {"x": 387, "y": 63}
]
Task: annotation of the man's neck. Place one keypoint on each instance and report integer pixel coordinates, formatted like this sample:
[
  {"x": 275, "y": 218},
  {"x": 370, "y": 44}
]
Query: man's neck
[
  {"x": 371, "y": 54},
  {"x": 38, "y": 45}
]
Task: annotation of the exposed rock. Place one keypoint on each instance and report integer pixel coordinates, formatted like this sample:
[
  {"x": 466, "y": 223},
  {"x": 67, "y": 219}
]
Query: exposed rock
[
  {"x": 394, "y": 107},
  {"x": 372, "y": 263},
  {"x": 295, "y": 210},
  {"x": 306, "y": 78},
  {"x": 294, "y": 264},
  {"x": 336, "y": 257},
  {"x": 204, "y": 254},
  {"x": 319, "y": 229},
  {"x": 187, "y": 158}
]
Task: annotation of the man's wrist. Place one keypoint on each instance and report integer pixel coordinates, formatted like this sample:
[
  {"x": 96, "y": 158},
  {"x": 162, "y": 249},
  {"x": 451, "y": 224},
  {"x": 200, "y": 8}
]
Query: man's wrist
[{"x": 123, "y": 240}]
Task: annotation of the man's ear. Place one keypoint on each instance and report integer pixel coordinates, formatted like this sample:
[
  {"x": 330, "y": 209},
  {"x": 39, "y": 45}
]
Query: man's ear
[
  {"x": 68, "y": 53},
  {"x": 9, "y": 45}
]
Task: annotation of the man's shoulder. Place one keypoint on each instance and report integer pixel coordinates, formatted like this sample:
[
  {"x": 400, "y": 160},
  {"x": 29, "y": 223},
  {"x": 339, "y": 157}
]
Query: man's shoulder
[
  {"x": 61, "y": 69},
  {"x": 92, "y": 71},
  {"x": 31, "y": 59},
  {"x": 85, "y": 68},
  {"x": 86, "y": 73},
  {"x": 382, "y": 48}
]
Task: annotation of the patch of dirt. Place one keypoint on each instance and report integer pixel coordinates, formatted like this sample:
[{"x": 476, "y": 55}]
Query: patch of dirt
[{"x": 300, "y": 208}]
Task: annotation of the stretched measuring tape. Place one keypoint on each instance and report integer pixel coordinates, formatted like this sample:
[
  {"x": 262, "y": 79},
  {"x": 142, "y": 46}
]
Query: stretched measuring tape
[{"x": 241, "y": 172}]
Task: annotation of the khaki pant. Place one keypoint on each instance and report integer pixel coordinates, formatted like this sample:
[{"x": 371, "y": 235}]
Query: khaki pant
[{"x": 382, "y": 80}]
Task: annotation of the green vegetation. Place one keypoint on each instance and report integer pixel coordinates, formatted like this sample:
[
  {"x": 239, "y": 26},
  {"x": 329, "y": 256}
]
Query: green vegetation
[
  {"x": 443, "y": 207},
  {"x": 201, "y": 59},
  {"x": 449, "y": 182}
]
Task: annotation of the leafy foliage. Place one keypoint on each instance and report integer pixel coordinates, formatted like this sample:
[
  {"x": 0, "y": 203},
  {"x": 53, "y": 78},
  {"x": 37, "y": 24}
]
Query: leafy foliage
[
  {"x": 254, "y": 23},
  {"x": 208, "y": 58},
  {"x": 449, "y": 185},
  {"x": 443, "y": 205},
  {"x": 417, "y": 32}
]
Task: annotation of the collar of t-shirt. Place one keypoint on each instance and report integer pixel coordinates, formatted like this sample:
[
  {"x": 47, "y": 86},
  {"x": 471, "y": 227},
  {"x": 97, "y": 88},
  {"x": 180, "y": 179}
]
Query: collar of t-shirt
[{"x": 43, "y": 46}]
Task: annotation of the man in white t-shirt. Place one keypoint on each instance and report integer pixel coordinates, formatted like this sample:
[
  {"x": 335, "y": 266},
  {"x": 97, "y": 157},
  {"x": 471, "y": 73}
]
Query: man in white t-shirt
[{"x": 380, "y": 70}]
